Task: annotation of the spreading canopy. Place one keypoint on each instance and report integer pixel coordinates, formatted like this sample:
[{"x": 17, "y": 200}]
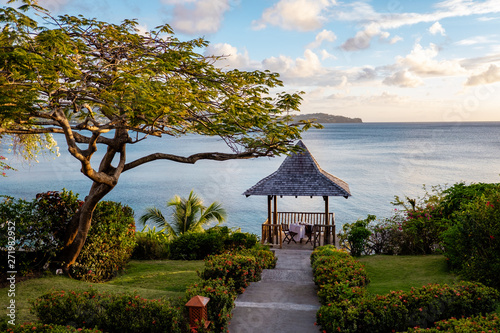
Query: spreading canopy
[
  {"x": 82, "y": 78},
  {"x": 102, "y": 84}
]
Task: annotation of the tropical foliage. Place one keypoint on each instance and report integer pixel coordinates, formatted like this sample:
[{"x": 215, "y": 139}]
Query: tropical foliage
[{"x": 189, "y": 215}]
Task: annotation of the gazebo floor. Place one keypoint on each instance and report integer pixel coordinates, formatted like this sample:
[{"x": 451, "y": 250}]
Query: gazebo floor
[{"x": 300, "y": 245}]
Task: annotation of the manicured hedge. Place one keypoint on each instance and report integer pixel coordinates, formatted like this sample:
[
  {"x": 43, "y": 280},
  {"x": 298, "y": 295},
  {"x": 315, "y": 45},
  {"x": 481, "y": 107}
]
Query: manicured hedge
[
  {"x": 47, "y": 328},
  {"x": 226, "y": 275},
  {"x": 108, "y": 312},
  {"x": 398, "y": 311},
  {"x": 488, "y": 323},
  {"x": 223, "y": 277},
  {"x": 347, "y": 308}
]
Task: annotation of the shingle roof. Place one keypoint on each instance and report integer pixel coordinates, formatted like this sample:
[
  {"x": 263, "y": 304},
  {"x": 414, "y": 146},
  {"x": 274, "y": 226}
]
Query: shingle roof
[{"x": 300, "y": 175}]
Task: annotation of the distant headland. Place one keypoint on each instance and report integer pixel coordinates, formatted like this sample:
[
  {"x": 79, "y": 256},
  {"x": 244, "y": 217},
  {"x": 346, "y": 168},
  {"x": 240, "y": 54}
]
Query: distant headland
[{"x": 324, "y": 118}]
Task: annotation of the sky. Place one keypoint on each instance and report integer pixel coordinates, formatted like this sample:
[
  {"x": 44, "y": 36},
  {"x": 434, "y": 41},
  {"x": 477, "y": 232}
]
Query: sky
[{"x": 381, "y": 61}]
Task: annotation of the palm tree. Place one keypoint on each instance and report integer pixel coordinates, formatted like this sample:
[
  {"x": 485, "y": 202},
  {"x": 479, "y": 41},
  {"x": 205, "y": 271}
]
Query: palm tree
[{"x": 188, "y": 215}]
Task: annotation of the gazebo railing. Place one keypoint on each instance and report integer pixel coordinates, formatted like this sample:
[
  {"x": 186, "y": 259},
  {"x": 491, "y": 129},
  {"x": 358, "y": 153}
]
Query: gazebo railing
[{"x": 272, "y": 232}]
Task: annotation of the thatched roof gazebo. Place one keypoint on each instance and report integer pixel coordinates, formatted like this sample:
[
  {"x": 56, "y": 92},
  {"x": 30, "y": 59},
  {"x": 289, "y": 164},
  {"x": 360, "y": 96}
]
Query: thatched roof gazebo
[{"x": 299, "y": 175}]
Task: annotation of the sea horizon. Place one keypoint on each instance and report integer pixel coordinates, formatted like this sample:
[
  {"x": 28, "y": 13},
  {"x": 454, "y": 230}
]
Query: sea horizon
[{"x": 378, "y": 160}]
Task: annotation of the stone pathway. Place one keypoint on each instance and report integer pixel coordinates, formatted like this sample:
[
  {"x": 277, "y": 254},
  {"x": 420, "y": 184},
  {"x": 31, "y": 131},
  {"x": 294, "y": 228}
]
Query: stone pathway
[{"x": 283, "y": 301}]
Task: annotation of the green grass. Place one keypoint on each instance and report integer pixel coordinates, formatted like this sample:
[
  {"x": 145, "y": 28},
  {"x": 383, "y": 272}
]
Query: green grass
[
  {"x": 388, "y": 273},
  {"x": 150, "y": 279}
]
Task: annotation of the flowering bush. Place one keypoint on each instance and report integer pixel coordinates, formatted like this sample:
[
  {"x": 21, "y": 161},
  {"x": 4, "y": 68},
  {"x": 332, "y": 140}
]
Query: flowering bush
[
  {"x": 226, "y": 275},
  {"x": 108, "y": 312},
  {"x": 488, "y": 323},
  {"x": 241, "y": 269},
  {"x": 222, "y": 296},
  {"x": 472, "y": 243},
  {"x": 397, "y": 311},
  {"x": 346, "y": 307}
]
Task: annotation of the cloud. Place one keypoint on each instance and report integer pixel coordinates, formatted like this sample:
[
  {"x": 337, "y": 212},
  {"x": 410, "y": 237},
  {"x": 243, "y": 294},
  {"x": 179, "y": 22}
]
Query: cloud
[
  {"x": 404, "y": 79},
  {"x": 491, "y": 75},
  {"x": 232, "y": 57},
  {"x": 437, "y": 28},
  {"x": 477, "y": 40},
  {"x": 362, "y": 39},
  {"x": 307, "y": 66},
  {"x": 422, "y": 61},
  {"x": 198, "y": 16},
  {"x": 301, "y": 15},
  {"x": 326, "y": 55},
  {"x": 325, "y": 35},
  {"x": 382, "y": 22}
]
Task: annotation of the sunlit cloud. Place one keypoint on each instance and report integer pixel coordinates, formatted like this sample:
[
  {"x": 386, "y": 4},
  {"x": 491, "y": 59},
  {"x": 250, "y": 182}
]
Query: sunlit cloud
[
  {"x": 198, "y": 16},
  {"x": 379, "y": 23},
  {"x": 323, "y": 36},
  {"x": 491, "y": 75},
  {"x": 301, "y": 15},
  {"x": 437, "y": 28},
  {"x": 403, "y": 79}
]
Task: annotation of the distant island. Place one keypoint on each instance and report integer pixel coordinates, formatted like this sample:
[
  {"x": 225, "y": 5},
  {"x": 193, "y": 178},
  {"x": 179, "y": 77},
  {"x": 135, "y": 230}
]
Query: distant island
[{"x": 324, "y": 118}]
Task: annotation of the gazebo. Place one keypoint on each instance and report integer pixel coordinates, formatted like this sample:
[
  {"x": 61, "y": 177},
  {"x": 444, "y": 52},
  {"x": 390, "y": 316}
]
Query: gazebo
[{"x": 299, "y": 175}]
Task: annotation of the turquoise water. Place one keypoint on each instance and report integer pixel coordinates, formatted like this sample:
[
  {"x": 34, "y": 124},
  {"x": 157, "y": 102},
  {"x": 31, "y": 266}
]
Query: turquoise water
[{"x": 377, "y": 160}]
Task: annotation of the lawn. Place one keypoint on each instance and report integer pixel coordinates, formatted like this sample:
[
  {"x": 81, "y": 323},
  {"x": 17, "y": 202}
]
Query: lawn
[
  {"x": 150, "y": 279},
  {"x": 388, "y": 273}
]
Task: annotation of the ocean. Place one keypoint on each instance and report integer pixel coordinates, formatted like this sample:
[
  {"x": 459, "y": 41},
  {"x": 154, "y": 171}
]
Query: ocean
[{"x": 377, "y": 160}]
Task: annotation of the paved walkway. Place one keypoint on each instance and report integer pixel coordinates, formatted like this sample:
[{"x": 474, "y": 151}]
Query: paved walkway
[{"x": 283, "y": 301}]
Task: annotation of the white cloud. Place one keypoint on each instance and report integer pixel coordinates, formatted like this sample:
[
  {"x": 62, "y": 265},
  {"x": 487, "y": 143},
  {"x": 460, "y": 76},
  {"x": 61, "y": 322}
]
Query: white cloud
[
  {"x": 383, "y": 22},
  {"x": 477, "y": 40},
  {"x": 422, "y": 61},
  {"x": 395, "y": 39},
  {"x": 404, "y": 79},
  {"x": 232, "y": 57},
  {"x": 325, "y": 35},
  {"x": 491, "y": 75},
  {"x": 198, "y": 16},
  {"x": 437, "y": 28},
  {"x": 302, "y": 15},
  {"x": 326, "y": 55},
  {"x": 307, "y": 66}
]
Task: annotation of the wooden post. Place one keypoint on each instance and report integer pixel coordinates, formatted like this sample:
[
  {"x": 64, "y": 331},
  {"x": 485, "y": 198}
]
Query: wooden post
[
  {"x": 269, "y": 218},
  {"x": 327, "y": 221},
  {"x": 275, "y": 218}
]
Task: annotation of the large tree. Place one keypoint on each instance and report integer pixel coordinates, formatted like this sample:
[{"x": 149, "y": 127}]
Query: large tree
[{"x": 107, "y": 85}]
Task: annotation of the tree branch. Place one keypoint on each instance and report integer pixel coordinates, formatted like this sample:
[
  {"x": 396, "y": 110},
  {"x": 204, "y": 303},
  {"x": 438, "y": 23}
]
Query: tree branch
[{"x": 194, "y": 158}]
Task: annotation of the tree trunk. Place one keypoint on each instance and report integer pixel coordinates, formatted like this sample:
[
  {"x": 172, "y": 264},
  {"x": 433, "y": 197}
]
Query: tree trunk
[{"x": 78, "y": 228}]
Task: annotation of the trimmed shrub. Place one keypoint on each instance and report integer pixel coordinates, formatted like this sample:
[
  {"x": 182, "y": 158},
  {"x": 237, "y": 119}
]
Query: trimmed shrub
[
  {"x": 151, "y": 245},
  {"x": 47, "y": 328},
  {"x": 222, "y": 296},
  {"x": 241, "y": 269},
  {"x": 488, "y": 323},
  {"x": 399, "y": 311},
  {"x": 196, "y": 245},
  {"x": 224, "y": 276},
  {"x": 108, "y": 312},
  {"x": 216, "y": 240},
  {"x": 109, "y": 244}
]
